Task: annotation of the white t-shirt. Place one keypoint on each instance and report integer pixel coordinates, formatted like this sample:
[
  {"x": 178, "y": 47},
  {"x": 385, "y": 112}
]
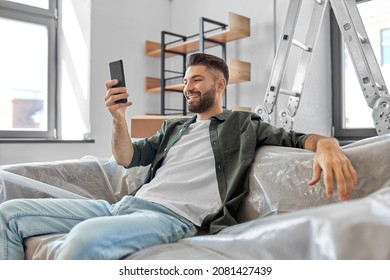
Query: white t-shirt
[{"x": 186, "y": 182}]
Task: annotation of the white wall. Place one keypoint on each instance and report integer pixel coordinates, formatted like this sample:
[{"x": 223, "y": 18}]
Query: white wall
[{"x": 119, "y": 29}]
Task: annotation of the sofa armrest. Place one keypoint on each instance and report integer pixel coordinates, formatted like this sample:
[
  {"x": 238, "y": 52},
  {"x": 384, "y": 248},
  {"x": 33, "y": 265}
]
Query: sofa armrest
[
  {"x": 279, "y": 177},
  {"x": 86, "y": 177}
]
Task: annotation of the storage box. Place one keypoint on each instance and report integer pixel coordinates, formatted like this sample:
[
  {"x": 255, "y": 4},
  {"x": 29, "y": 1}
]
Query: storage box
[{"x": 144, "y": 126}]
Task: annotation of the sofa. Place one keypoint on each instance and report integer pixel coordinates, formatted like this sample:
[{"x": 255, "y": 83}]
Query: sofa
[{"x": 282, "y": 217}]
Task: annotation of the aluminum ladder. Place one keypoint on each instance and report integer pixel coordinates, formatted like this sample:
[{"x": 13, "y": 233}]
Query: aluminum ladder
[{"x": 355, "y": 37}]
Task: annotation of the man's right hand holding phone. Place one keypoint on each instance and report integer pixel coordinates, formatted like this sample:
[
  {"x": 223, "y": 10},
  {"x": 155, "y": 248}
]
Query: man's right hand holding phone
[
  {"x": 114, "y": 94},
  {"x": 122, "y": 147}
]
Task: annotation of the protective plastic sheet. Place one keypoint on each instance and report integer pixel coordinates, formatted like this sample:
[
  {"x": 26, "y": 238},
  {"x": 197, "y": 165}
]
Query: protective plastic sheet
[
  {"x": 357, "y": 229},
  {"x": 282, "y": 217},
  {"x": 89, "y": 177},
  {"x": 279, "y": 177}
]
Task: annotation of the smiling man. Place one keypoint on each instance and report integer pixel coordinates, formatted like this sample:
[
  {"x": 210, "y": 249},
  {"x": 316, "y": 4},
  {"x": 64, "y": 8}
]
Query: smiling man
[{"x": 198, "y": 176}]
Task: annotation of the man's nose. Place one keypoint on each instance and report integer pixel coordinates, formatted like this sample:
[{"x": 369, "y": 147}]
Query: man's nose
[{"x": 187, "y": 87}]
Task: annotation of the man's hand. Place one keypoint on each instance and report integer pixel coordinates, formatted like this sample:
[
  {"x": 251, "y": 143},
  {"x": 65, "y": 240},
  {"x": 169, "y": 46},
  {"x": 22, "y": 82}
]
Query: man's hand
[
  {"x": 122, "y": 146},
  {"x": 117, "y": 110},
  {"x": 331, "y": 160}
]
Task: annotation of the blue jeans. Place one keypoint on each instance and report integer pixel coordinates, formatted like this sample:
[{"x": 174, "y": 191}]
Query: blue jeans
[{"x": 96, "y": 229}]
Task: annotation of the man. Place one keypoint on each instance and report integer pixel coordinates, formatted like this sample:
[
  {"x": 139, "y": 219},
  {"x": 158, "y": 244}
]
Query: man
[{"x": 197, "y": 179}]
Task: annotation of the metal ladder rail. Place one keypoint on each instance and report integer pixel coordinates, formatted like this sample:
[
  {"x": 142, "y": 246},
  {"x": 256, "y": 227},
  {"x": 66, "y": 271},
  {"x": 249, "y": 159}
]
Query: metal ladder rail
[
  {"x": 359, "y": 47},
  {"x": 364, "y": 61},
  {"x": 286, "y": 115},
  {"x": 280, "y": 61}
]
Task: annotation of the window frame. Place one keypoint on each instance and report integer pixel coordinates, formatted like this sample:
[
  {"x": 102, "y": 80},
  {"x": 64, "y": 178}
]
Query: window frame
[
  {"x": 48, "y": 18},
  {"x": 337, "y": 56},
  {"x": 382, "y": 48}
]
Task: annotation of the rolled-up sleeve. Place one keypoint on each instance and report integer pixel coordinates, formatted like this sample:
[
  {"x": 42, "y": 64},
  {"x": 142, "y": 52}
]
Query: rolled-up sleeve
[{"x": 146, "y": 149}]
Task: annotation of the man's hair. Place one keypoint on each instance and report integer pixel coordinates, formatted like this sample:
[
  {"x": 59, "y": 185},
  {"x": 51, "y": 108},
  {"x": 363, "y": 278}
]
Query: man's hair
[{"x": 211, "y": 62}]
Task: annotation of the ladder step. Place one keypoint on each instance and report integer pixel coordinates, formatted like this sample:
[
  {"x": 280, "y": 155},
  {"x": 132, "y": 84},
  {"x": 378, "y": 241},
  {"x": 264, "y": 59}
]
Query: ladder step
[
  {"x": 302, "y": 46},
  {"x": 361, "y": 38},
  {"x": 379, "y": 86},
  {"x": 289, "y": 92}
]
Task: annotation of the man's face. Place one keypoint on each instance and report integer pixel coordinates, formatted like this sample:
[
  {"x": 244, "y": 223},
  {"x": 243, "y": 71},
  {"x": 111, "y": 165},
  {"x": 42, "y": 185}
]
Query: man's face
[{"x": 199, "y": 88}]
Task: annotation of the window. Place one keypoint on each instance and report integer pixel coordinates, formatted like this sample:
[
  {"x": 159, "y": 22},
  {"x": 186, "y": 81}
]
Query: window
[
  {"x": 28, "y": 71},
  {"x": 351, "y": 115},
  {"x": 385, "y": 44}
]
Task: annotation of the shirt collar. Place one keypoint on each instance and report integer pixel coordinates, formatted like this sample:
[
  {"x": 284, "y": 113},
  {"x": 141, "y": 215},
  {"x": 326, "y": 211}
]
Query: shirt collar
[
  {"x": 190, "y": 121},
  {"x": 223, "y": 116}
]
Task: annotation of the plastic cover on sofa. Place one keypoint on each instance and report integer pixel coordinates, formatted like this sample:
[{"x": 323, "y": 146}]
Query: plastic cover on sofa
[{"x": 281, "y": 217}]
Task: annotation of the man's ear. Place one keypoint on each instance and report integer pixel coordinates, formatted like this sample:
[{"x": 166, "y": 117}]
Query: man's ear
[{"x": 221, "y": 84}]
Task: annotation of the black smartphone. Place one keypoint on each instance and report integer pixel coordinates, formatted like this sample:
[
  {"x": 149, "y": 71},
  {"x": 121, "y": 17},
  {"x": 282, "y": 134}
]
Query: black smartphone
[{"x": 116, "y": 70}]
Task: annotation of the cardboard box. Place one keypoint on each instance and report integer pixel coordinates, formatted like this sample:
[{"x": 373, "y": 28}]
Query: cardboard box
[{"x": 144, "y": 126}]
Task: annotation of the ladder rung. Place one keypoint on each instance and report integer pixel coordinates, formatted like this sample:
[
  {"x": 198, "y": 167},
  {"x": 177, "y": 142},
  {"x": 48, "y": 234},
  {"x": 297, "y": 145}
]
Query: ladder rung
[
  {"x": 379, "y": 86},
  {"x": 300, "y": 45},
  {"x": 361, "y": 38},
  {"x": 289, "y": 92}
]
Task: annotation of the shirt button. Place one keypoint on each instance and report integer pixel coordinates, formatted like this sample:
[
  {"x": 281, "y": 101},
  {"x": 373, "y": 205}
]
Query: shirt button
[{"x": 214, "y": 142}]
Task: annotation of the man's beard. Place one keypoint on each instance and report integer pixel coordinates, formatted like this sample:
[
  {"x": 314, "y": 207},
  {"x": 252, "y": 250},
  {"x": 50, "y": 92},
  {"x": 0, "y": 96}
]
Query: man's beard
[{"x": 206, "y": 100}]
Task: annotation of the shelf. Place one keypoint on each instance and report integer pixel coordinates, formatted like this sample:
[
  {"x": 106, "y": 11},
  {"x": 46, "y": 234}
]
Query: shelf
[
  {"x": 239, "y": 72},
  {"x": 239, "y": 27},
  {"x": 153, "y": 85},
  {"x": 240, "y": 108}
]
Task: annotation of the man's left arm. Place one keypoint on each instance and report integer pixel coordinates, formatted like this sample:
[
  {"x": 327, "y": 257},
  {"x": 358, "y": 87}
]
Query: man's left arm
[{"x": 331, "y": 160}]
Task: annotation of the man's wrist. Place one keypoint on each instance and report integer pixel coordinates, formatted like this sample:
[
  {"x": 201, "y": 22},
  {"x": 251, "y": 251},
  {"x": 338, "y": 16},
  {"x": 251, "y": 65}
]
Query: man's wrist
[
  {"x": 313, "y": 140},
  {"x": 119, "y": 123}
]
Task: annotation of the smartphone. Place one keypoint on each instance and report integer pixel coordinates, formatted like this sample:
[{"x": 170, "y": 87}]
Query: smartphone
[{"x": 116, "y": 70}]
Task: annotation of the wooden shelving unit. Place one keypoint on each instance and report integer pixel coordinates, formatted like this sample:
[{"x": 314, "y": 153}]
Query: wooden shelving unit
[
  {"x": 238, "y": 28},
  {"x": 239, "y": 72}
]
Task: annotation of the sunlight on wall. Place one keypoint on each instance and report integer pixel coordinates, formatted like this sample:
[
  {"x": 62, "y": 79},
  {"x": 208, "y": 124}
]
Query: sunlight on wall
[{"x": 74, "y": 42}]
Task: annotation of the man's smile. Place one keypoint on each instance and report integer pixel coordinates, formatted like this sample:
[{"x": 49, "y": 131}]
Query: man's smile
[{"x": 192, "y": 96}]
